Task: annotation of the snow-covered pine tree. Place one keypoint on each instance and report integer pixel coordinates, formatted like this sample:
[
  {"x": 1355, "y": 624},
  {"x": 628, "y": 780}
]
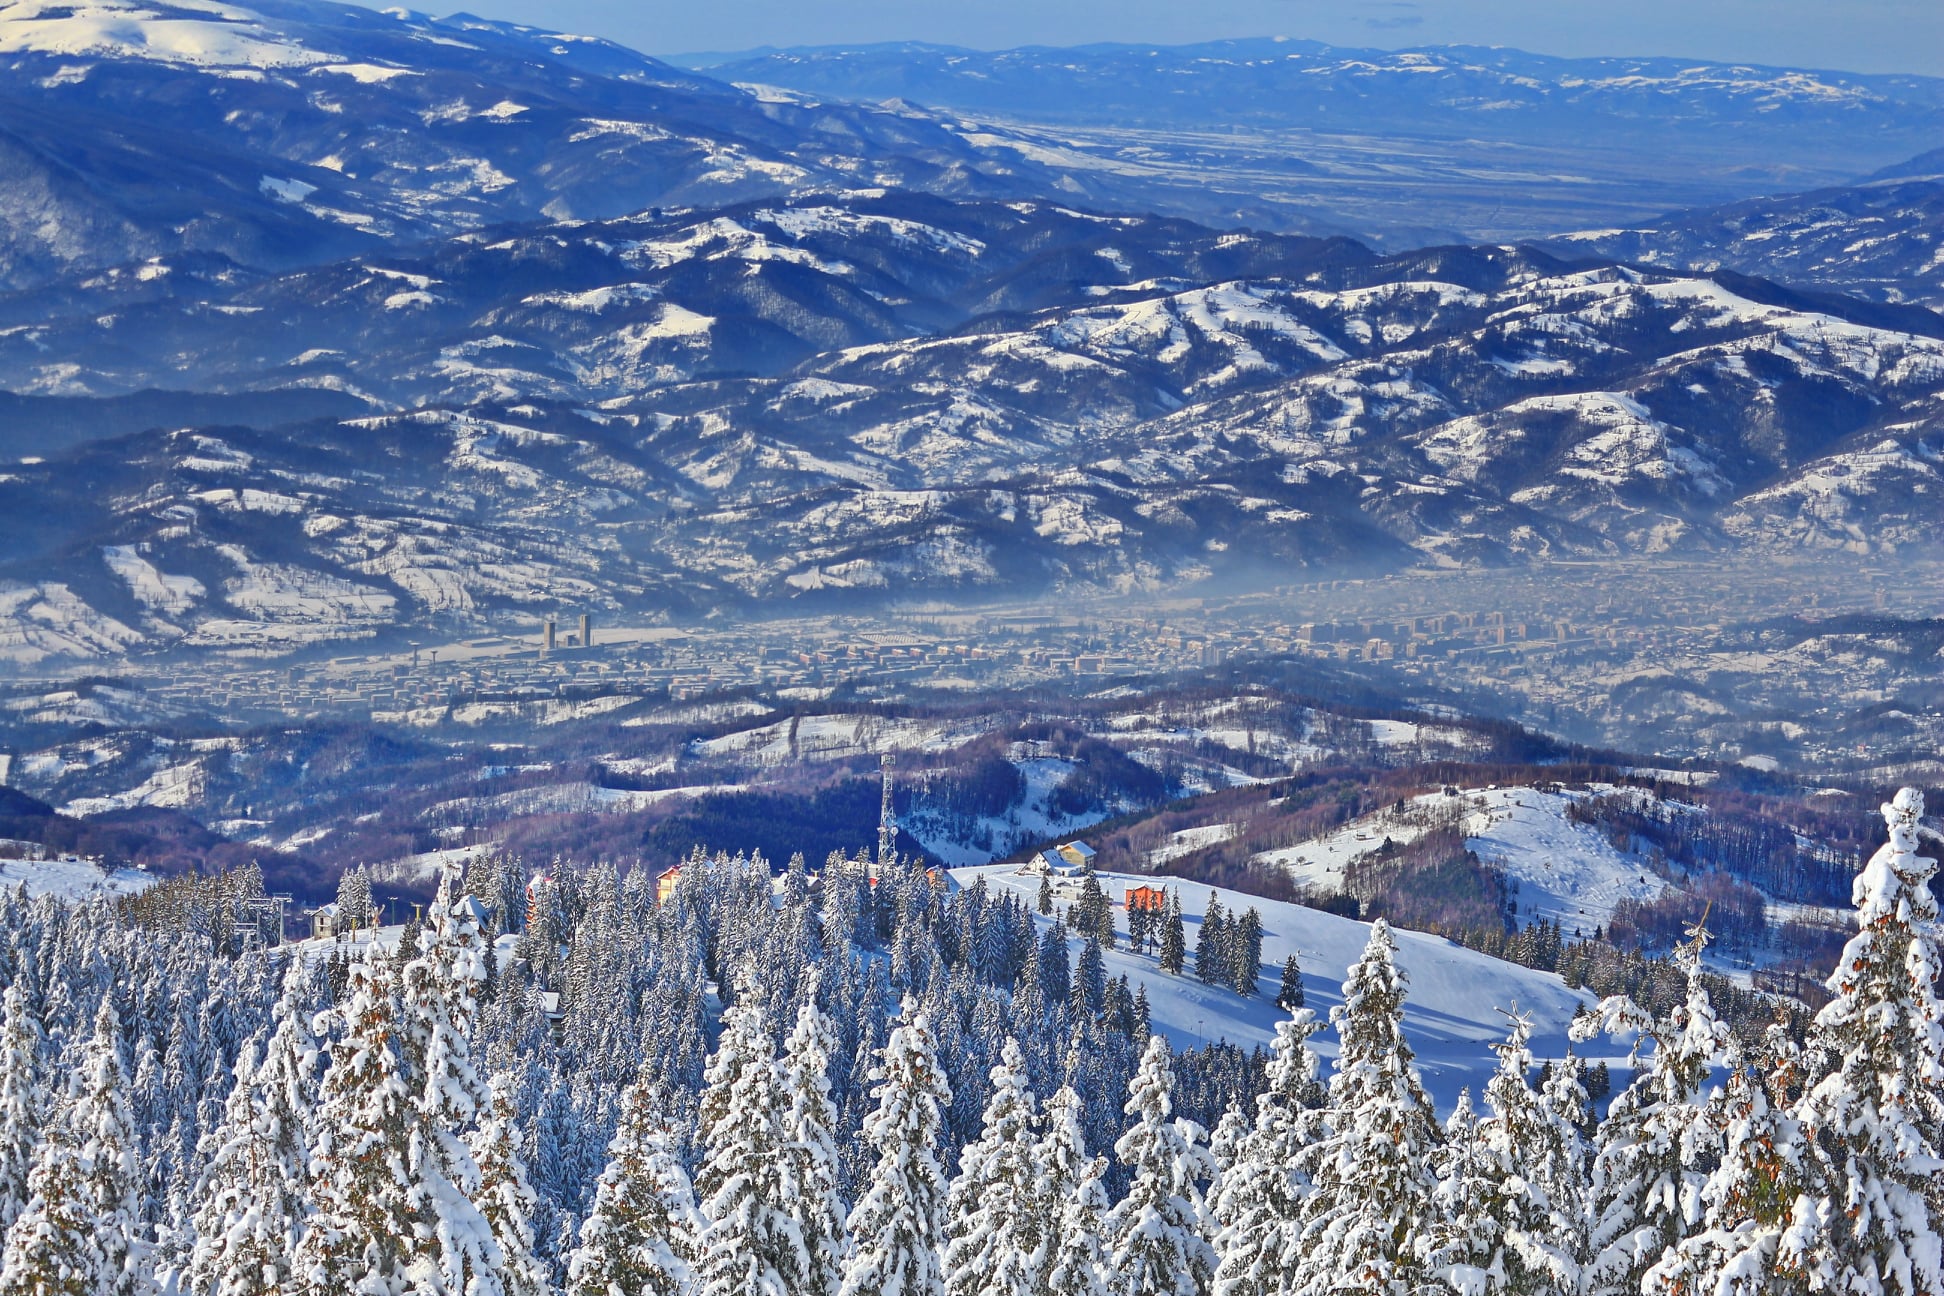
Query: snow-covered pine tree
[
  {"x": 1289, "y": 995},
  {"x": 1212, "y": 945},
  {"x": 1748, "y": 1200},
  {"x": 53, "y": 1248},
  {"x": 897, "y": 1227},
  {"x": 1245, "y": 952},
  {"x": 364, "y": 1228},
  {"x": 997, "y": 1233},
  {"x": 97, "y": 1112},
  {"x": 1368, "y": 1218},
  {"x": 1174, "y": 951},
  {"x": 249, "y": 1212},
  {"x": 354, "y": 898},
  {"x": 1156, "y": 1246},
  {"x": 1073, "y": 1202},
  {"x": 439, "y": 1005},
  {"x": 1561, "y": 1169},
  {"x": 505, "y": 1198},
  {"x": 641, "y": 1237},
  {"x": 750, "y": 1245},
  {"x": 1261, "y": 1193},
  {"x": 1873, "y": 1099},
  {"x": 810, "y": 1139},
  {"x": 22, "y": 1104},
  {"x": 1660, "y": 1139},
  {"x": 1501, "y": 1231}
]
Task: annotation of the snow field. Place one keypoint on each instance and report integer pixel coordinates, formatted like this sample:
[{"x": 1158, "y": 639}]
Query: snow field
[{"x": 1457, "y": 996}]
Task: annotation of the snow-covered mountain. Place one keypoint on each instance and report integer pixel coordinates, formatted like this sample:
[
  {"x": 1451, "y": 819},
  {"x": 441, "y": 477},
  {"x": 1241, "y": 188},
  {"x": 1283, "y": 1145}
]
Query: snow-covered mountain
[
  {"x": 1883, "y": 239},
  {"x": 874, "y": 394},
  {"x": 729, "y": 355},
  {"x": 293, "y": 131}
]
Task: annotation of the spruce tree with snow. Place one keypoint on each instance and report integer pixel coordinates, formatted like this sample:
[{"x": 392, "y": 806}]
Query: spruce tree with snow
[
  {"x": 750, "y": 1245},
  {"x": 1502, "y": 1230},
  {"x": 1660, "y": 1139},
  {"x": 54, "y": 1247},
  {"x": 1872, "y": 1107},
  {"x": 1289, "y": 995},
  {"x": 1367, "y": 1221},
  {"x": 505, "y": 1198},
  {"x": 1212, "y": 952},
  {"x": 1245, "y": 952},
  {"x": 97, "y": 1112},
  {"x": 439, "y": 1006},
  {"x": 1156, "y": 1246},
  {"x": 22, "y": 1104},
  {"x": 997, "y": 1233},
  {"x": 642, "y": 1236},
  {"x": 1173, "y": 942},
  {"x": 363, "y": 1234},
  {"x": 354, "y": 899},
  {"x": 1561, "y": 1168},
  {"x": 1260, "y": 1194},
  {"x": 897, "y": 1227},
  {"x": 810, "y": 1141},
  {"x": 1748, "y": 1201},
  {"x": 249, "y": 1211},
  {"x": 1073, "y": 1202}
]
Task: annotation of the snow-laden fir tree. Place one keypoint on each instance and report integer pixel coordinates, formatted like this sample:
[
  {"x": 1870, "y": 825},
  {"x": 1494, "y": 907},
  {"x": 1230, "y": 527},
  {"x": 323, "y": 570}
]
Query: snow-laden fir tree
[
  {"x": 1367, "y": 1221},
  {"x": 1212, "y": 944},
  {"x": 642, "y": 1236},
  {"x": 249, "y": 1207},
  {"x": 53, "y": 1248},
  {"x": 750, "y": 1245},
  {"x": 1156, "y": 1245},
  {"x": 505, "y": 1198},
  {"x": 354, "y": 899},
  {"x": 993, "y": 1210},
  {"x": 1073, "y": 1202},
  {"x": 97, "y": 1112},
  {"x": 439, "y": 1004},
  {"x": 1173, "y": 941},
  {"x": 1873, "y": 1102},
  {"x": 1502, "y": 1230},
  {"x": 897, "y": 1227},
  {"x": 364, "y": 1229},
  {"x": 1260, "y": 1194},
  {"x": 22, "y": 1104},
  {"x": 1660, "y": 1139},
  {"x": 1748, "y": 1201},
  {"x": 810, "y": 1140},
  {"x": 1289, "y": 994}
]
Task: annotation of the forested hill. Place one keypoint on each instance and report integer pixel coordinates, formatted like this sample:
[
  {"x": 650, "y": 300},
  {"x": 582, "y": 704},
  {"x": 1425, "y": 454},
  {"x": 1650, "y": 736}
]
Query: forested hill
[{"x": 836, "y": 1086}]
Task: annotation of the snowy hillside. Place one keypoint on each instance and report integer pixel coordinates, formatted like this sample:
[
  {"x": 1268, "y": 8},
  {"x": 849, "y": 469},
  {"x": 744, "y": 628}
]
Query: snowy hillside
[
  {"x": 1564, "y": 872},
  {"x": 70, "y": 878},
  {"x": 1456, "y": 994}
]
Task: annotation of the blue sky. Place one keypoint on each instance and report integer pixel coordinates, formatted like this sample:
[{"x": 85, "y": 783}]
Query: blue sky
[{"x": 1857, "y": 35}]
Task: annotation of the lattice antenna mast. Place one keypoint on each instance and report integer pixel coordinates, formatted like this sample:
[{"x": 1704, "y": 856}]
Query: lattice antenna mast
[{"x": 887, "y": 820}]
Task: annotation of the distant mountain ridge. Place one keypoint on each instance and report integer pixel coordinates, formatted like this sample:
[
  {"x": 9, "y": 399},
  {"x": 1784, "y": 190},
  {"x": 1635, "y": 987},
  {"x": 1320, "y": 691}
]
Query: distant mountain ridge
[
  {"x": 1883, "y": 239},
  {"x": 298, "y": 131},
  {"x": 855, "y": 397},
  {"x": 1488, "y": 144}
]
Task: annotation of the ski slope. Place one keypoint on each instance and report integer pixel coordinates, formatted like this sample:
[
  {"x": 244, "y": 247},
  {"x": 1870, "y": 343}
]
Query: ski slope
[{"x": 1456, "y": 995}]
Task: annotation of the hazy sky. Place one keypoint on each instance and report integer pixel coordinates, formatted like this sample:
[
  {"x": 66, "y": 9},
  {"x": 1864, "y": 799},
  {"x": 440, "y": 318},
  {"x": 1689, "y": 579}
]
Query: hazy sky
[{"x": 1858, "y": 35}]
